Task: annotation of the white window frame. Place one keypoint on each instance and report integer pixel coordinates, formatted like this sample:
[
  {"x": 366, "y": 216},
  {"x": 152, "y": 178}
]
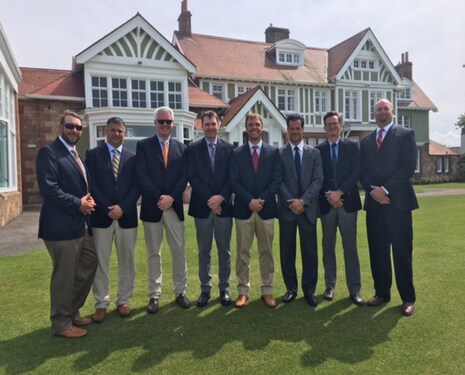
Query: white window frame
[
  {"x": 321, "y": 101},
  {"x": 291, "y": 58},
  {"x": 405, "y": 121},
  {"x": 374, "y": 97},
  {"x": 405, "y": 94},
  {"x": 439, "y": 164},
  {"x": 8, "y": 149},
  {"x": 101, "y": 90},
  {"x": 290, "y": 99},
  {"x": 446, "y": 164},
  {"x": 175, "y": 97},
  {"x": 138, "y": 95},
  {"x": 155, "y": 103},
  {"x": 417, "y": 166},
  {"x": 352, "y": 102},
  {"x": 217, "y": 90},
  {"x": 120, "y": 91},
  {"x": 241, "y": 89}
]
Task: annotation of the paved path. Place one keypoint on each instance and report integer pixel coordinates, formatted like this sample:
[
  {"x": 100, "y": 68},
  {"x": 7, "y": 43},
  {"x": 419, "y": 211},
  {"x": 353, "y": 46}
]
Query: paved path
[{"x": 20, "y": 234}]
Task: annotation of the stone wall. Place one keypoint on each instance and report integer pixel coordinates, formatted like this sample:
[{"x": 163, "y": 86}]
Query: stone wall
[{"x": 10, "y": 206}]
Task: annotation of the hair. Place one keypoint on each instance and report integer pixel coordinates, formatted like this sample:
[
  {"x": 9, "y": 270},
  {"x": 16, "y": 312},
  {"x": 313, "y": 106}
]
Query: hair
[
  {"x": 69, "y": 113},
  {"x": 252, "y": 115},
  {"x": 115, "y": 120},
  {"x": 331, "y": 114},
  {"x": 210, "y": 114},
  {"x": 295, "y": 117},
  {"x": 163, "y": 110}
]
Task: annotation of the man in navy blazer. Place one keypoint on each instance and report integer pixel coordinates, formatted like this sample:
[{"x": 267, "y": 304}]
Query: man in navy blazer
[
  {"x": 255, "y": 179},
  {"x": 298, "y": 208},
  {"x": 388, "y": 158},
  {"x": 210, "y": 205},
  {"x": 339, "y": 205},
  {"x": 115, "y": 190},
  {"x": 161, "y": 170},
  {"x": 63, "y": 183}
]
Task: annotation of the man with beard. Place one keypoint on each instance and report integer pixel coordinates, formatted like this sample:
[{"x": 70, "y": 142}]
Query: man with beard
[{"x": 64, "y": 186}]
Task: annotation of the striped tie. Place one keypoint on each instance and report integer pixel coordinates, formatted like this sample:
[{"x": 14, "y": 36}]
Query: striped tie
[
  {"x": 80, "y": 164},
  {"x": 379, "y": 139},
  {"x": 115, "y": 163}
]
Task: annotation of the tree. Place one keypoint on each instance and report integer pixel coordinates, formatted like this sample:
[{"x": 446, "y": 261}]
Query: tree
[{"x": 460, "y": 121}]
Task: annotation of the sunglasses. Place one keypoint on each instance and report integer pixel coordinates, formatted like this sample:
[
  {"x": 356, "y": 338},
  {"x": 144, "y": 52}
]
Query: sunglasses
[
  {"x": 167, "y": 122},
  {"x": 72, "y": 126}
]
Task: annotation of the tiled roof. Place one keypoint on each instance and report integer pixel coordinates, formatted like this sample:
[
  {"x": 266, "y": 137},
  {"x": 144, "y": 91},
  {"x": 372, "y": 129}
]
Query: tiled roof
[
  {"x": 235, "y": 59},
  {"x": 340, "y": 53},
  {"x": 50, "y": 82},
  {"x": 420, "y": 100},
  {"x": 438, "y": 149},
  {"x": 201, "y": 99}
]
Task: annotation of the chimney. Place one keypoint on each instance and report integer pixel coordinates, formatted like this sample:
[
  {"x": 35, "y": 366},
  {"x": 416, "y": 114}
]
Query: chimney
[
  {"x": 273, "y": 34},
  {"x": 404, "y": 68},
  {"x": 184, "y": 20}
]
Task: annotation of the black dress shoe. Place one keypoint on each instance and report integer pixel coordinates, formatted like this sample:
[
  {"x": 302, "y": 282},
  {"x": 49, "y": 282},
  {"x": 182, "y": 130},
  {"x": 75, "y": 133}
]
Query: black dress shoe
[
  {"x": 329, "y": 294},
  {"x": 377, "y": 301},
  {"x": 183, "y": 301},
  {"x": 152, "y": 308},
  {"x": 408, "y": 309},
  {"x": 311, "y": 300},
  {"x": 203, "y": 299},
  {"x": 357, "y": 299},
  {"x": 289, "y": 296},
  {"x": 225, "y": 298}
]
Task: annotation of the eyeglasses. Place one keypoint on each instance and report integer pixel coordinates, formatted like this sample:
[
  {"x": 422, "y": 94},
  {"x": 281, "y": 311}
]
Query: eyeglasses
[
  {"x": 72, "y": 126},
  {"x": 167, "y": 122}
]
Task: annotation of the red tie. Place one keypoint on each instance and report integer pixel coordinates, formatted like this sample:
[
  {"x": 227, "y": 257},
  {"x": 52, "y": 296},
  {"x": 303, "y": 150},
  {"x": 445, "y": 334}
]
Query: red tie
[
  {"x": 255, "y": 158},
  {"x": 379, "y": 139}
]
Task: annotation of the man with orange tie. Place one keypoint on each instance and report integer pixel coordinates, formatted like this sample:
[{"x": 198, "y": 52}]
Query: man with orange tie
[
  {"x": 64, "y": 226},
  {"x": 161, "y": 170}
]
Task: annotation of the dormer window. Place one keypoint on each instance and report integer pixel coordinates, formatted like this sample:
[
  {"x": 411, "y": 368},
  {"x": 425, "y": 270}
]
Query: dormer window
[
  {"x": 287, "y": 52},
  {"x": 405, "y": 94}
]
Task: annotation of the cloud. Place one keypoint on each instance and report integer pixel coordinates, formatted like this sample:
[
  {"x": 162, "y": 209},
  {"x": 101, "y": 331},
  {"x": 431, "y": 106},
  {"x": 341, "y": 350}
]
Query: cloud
[{"x": 449, "y": 139}]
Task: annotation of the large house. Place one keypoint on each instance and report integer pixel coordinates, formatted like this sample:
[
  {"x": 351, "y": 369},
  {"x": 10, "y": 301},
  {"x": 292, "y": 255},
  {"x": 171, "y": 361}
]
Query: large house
[
  {"x": 134, "y": 69},
  {"x": 10, "y": 177}
]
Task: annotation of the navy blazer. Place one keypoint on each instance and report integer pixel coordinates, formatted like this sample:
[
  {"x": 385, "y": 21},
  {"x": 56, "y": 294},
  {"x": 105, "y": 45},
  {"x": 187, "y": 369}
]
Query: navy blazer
[
  {"x": 348, "y": 173},
  {"x": 62, "y": 186},
  {"x": 311, "y": 180},
  {"x": 155, "y": 180},
  {"x": 206, "y": 182},
  {"x": 392, "y": 167},
  {"x": 108, "y": 191},
  {"x": 248, "y": 185}
]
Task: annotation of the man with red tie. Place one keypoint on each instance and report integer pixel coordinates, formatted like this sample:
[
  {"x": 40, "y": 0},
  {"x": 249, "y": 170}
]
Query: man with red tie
[{"x": 388, "y": 159}]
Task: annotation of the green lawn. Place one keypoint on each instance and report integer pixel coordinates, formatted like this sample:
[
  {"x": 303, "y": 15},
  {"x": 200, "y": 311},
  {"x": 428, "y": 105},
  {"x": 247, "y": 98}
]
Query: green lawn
[{"x": 335, "y": 338}]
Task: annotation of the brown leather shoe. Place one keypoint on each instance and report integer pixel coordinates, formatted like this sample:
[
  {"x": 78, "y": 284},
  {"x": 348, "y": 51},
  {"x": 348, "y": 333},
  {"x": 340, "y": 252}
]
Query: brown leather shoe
[
  {"x": 377, "y": 301},
  {"x": 79, "y": 321},
  {"x": 100, "y": 314},
  {"x": 72, "y": 333},
  {"x": 408, "y": 309},
  {"x": 241, "y": 301},
  {"x": 124, "y": 310},
  {"x": 269, "y": 300}
]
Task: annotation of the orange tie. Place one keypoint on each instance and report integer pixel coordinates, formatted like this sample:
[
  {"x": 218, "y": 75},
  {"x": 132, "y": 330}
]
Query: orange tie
[{"x": 165, "y": 153}]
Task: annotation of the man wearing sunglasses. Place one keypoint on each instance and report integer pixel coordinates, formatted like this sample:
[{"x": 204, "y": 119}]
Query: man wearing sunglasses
[
  {"x": 64, "y": 186},
  {"x": 161, "y": 170}
]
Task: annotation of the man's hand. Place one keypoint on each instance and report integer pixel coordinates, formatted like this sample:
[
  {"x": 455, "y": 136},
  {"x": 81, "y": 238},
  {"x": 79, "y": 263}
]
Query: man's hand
[
  {"x": 214, "y": 203},
  {"x": 165, "y": 202},
  {"x": 379, "y": 195},
  {"x": 334, "y": 198},
  {"x": 256, "y": 205},
  {"x": 87, "y": 204},
  {"x": 297, "y": 206},
  {"x": 115, "y": 212}
]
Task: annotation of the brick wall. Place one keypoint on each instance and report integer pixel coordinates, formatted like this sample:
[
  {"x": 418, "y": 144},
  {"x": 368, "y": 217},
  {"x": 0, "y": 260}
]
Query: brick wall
[{"x": 39, "y": 120}]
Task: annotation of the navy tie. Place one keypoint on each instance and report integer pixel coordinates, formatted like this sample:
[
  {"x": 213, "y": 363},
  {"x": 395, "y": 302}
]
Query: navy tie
[
  {"x": 298, "y": 169},
  {"x": 334, "y": 163}
]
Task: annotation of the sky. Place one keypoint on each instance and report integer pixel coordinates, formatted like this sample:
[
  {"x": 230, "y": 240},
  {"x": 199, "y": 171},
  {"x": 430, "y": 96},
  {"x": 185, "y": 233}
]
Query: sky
[{"x": 48, "y": 33}]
